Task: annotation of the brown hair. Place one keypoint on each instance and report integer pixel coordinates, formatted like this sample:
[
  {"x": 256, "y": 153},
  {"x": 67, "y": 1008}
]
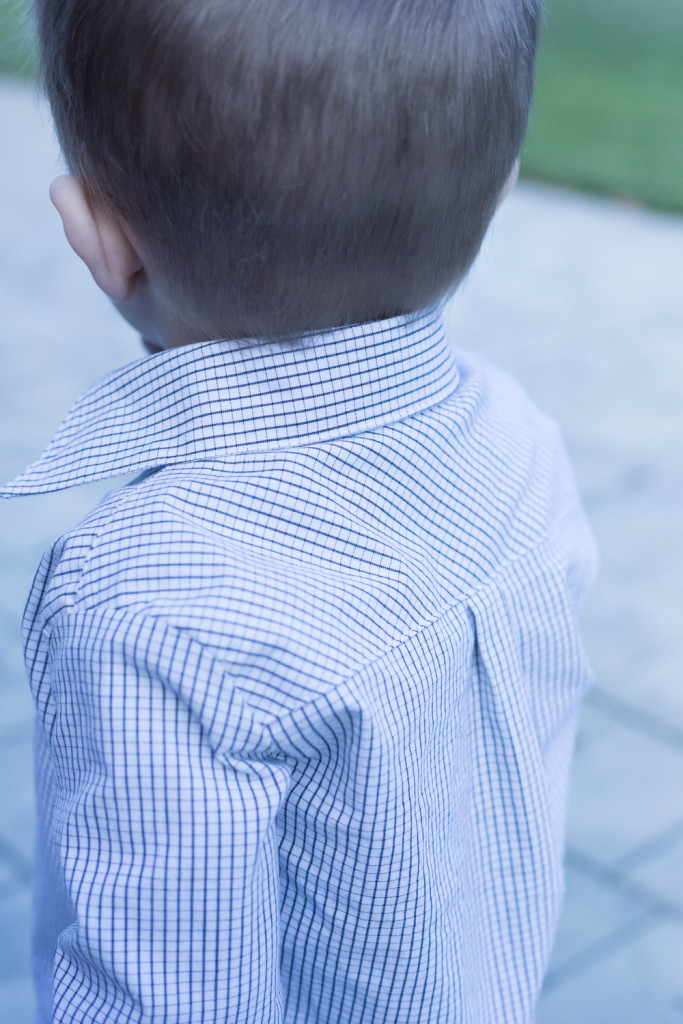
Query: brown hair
[{"x": 295, "y": 164}]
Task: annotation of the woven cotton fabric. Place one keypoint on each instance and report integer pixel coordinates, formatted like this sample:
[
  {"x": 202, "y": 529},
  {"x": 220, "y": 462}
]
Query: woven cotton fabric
[{"x": 306, "y": 688}]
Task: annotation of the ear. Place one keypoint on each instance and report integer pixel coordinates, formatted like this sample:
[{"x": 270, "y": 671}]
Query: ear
[
  {"x": 97, "y": 238},
  {"x": 510, "y": 183}
]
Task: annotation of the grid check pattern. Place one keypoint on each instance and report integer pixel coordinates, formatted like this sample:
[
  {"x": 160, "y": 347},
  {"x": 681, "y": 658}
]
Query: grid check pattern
[{"x": 306, "y": 688}]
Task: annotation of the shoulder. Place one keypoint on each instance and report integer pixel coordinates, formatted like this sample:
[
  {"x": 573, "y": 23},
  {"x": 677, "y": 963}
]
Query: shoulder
[
  {"x": 506, "y": 426},
  {"x": 144, "y": 543},
  {"x": 507, "y": 459},
  {"x": 225, "y": 555},
  {"x": 525, "y": 467}
]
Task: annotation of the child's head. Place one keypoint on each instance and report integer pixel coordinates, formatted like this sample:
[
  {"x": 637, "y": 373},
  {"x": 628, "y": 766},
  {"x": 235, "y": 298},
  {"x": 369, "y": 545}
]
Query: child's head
[{"x": 286, "y": 165}]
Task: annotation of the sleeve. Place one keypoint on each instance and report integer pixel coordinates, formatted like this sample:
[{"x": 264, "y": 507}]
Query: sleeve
[{"x": 164, "y": 821}]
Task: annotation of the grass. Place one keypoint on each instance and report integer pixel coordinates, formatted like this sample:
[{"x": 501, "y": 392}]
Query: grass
[
  {"x": 17, "y": 48},
  {"x": 608, "y": 114}
]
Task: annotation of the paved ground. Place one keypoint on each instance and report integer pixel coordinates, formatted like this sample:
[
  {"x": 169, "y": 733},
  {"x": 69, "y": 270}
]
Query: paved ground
[{"x": 583, "y": 300}]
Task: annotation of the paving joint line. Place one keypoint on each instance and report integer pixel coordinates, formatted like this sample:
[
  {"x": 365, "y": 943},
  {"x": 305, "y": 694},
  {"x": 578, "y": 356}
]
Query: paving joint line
[
  {"x": 635, "y": 718},
  {"x": 641, "y": 854},
  {"x": 16, "y": 861},
  {"x": 598, "y": 952},
  {"x": 654, "y": 909},
  {"x": 616, "y": 879},
  {"x": 16, "y": 734}
]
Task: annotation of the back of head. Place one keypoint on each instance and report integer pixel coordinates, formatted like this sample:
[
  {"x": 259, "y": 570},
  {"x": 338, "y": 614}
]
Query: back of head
[{"x": 294, "y": 164}]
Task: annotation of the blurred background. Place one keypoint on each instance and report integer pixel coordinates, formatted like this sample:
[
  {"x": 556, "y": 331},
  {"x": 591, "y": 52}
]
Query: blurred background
[{"x": 579, "y": 292}]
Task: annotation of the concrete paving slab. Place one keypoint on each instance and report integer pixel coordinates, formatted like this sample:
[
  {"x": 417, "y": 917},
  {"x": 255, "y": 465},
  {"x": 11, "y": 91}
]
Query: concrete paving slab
[
  {"x": 661, "y": 868},
  {"x": 15, "y": 868},
  {"x": 634, "y": 633},
  {"x": 550, "y": 277},
  {"x": 653, "y": 685},
  {"x": 15, "y": 701},
  {"x": 17, "y": 1000},
  {"x": 595, "y": 276},
  {"x": 8, "y": 880},
  {"x": 633, "y": 603},
  {"x": 592, "y": 729},
  {"x": 638, "y": 982},
  {"x": 639, "y": 529},
  {"x": 626, "y": 789},
  {"x": 16, "y": 984},
  {"x": 16, "y": 809},
  {"x": 593, "y": 913}
]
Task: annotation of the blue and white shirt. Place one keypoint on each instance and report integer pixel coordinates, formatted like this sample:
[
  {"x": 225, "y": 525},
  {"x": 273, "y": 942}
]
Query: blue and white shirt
[{"x": 307, "y": 688}]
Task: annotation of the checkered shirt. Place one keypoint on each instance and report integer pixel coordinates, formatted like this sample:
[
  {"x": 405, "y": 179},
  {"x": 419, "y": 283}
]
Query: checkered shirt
[{"x": 306, "y": 689}]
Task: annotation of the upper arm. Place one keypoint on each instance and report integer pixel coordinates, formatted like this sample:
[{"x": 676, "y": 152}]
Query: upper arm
[{"x": 164, "y": 820}]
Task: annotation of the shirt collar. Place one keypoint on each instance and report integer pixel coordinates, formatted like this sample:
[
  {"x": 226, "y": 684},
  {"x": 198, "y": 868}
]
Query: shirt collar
[{"x": 223, "y": 398}]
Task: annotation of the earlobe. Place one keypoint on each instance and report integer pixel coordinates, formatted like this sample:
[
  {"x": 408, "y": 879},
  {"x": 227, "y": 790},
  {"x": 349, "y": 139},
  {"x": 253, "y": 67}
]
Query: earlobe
[
  {"x": 97, "y": 238},
  {"x": 511, "y": 182}
]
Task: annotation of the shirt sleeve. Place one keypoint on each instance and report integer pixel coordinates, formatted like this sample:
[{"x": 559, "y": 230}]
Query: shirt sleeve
[{"x": 164, "y": 821}]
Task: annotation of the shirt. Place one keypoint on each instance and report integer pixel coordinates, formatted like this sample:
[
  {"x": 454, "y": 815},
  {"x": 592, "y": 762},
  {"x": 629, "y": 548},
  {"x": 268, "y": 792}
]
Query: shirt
[{"x": 307, "y": 688}]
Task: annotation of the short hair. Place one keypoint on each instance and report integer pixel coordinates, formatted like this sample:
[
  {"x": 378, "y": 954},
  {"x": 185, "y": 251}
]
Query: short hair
[{"x": 295, "y": 164}]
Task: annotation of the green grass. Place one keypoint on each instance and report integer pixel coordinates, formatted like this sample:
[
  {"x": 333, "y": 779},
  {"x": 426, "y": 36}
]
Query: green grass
[
  {"x": 608, "y": 114},
  {"x": 17, "y": 48}
]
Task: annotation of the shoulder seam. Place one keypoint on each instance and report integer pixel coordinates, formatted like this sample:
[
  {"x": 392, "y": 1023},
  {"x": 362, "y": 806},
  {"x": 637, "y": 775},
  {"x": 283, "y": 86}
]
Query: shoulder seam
[{"x": 72, "y": 597}]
